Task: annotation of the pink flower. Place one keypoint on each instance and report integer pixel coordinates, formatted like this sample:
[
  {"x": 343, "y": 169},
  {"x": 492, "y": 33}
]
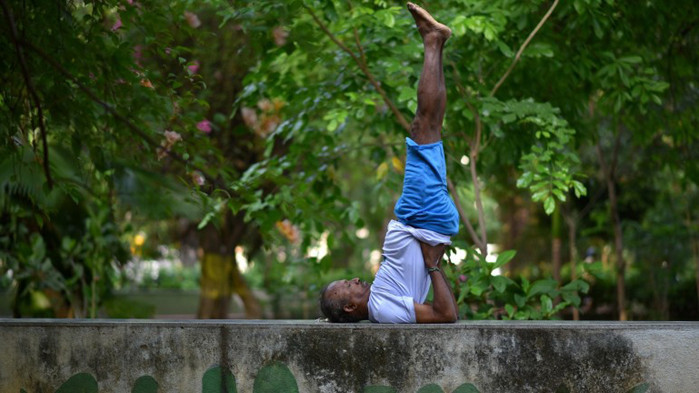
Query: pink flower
[
  {"x": 147, "y": 83},
  {"x": 117, "y": 24},
  {"x": 204, "y": 126},
  {"x": 265, "y": 105},
  {"x": 192, "y": 19},
  {"x": 194, "y": 67},
  {"x": 249, "y": 117},
  {"x": 171, "y": 137},
  {"x": 198, "y": 178},
  {"x": 280, "y": 35},
  {"x": 463, "y": 278}
]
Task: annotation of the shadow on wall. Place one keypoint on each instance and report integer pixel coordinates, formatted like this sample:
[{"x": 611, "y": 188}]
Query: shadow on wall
[{"x": 273, "y": 378}]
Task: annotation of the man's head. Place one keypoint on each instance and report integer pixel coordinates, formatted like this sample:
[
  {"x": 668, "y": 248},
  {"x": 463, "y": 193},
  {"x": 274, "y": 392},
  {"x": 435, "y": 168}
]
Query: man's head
[{"x": 345, "y": 300}]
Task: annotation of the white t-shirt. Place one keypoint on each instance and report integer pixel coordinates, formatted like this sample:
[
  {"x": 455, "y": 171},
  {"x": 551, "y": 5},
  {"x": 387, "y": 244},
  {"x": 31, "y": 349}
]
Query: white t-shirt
[{"x": 402, "y": 278}]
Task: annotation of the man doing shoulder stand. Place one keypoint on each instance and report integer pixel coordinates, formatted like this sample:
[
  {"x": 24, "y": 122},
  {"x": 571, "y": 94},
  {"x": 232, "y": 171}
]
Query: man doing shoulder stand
[{"x": 427, "y": 218}]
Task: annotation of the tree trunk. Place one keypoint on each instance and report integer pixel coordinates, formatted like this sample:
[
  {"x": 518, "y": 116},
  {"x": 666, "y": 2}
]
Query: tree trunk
[
  {"x": 573, "y": 254},
  {"x": 608, "y": 172},
  {"x": 241, "y": 288},
  {"x": 220, "y": 276},
  {"x": 695, "y": 250},
  {"x": 619, "y": 251},
  {"x": 556, "y": 242},
  {"x": 216, "y": 286}
]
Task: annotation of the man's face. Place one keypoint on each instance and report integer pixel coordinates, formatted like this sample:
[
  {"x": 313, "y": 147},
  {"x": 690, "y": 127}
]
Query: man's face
[{"x": 352, "y": 291}]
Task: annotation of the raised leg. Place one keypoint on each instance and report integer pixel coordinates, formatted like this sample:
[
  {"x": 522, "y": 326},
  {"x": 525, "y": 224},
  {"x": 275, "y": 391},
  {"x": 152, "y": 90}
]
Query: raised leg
[{"x": 431, "y": 92}]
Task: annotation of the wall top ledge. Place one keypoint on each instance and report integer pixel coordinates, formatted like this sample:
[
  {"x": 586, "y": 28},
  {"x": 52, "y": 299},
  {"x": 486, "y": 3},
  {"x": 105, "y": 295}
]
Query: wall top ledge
[{"x": 316, "y": 324}]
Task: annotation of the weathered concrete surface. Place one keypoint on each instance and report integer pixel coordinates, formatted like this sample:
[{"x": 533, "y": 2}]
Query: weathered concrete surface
[{"x": 498, "y": 356}]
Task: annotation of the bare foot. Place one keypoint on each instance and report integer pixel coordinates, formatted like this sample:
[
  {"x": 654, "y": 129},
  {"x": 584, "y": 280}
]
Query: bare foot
[{"x": 427, "y": 25}]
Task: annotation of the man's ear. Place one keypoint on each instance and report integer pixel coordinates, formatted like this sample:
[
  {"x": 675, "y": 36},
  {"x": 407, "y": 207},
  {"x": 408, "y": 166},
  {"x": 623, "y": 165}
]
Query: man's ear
[{"x": 349, "y": 307}]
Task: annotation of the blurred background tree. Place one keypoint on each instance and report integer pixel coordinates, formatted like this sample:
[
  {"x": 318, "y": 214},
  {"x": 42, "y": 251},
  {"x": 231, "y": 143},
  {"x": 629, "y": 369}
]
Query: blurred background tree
[{"x": 264, "y": 142}]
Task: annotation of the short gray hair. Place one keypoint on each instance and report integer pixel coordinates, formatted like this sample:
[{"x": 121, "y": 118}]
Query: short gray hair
[{"x": 334, "y": 309}]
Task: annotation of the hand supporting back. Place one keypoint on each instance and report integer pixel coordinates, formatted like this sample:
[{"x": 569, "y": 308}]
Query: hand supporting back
[{"x": 443, "y": 308}]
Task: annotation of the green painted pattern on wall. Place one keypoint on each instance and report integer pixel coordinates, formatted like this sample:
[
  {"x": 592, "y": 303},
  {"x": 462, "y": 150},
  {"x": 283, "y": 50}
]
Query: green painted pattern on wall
[
  {"x": 379, "y": 389},
  {"x": 79, "y": 383},
  {"x": 431, "y": 388},
  {"x": 466, "y": 388},
  {"x": 145, "y": 384},
  {"x": 642, "y": 388},
  {"x": 275, "y": 378},
  {"x": 218, "y": 380}
]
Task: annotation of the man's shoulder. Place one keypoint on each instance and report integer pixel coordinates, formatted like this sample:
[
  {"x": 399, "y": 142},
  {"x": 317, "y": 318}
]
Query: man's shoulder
[{"x": 386, "y": 307}]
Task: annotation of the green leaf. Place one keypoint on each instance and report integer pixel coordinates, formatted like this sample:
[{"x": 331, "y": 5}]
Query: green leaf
[
  {"x": 571, "y": 297},
  {"x": 549, "y": 205},
  {"x": 499, "y": 283},
  {"x": 546, "y": 304},
  {"x": 478, "y": 287},
  {"x": 577, "y": 285},
  {"x": 597, "y": 29},
  {"x": 386, "y": 17},
  {"x": 539, "y": 196},
  {"x": 579, "y": 188},
  {"x": 503, "y": 258},
  {"x": 504, "y": 49},
  {"x": 463, "y": 294},
  {"x": 631, "y": 59},
  {"x": 332, "y": 125},
  {"x": 559, "y": 194},
  {"x": 406, "y": 93},
  {"x": 542, "y": 286},
  {"x": 509, "y": 118},
  {"x": 510, "y": 310},
  {"x": 525, "y": 284}
]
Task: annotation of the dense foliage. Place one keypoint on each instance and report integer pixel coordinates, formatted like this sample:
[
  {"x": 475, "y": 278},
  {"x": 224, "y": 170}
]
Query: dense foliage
[{"x": 277, "y": 128}]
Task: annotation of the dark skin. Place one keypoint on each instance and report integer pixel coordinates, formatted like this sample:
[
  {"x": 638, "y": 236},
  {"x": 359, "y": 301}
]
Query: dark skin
[
  {"x": 443, "y": 308},
  {"x": 425, "y": 129}
]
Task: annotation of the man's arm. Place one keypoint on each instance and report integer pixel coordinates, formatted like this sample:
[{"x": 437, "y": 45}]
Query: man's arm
[{"x": 443, "y": 307}]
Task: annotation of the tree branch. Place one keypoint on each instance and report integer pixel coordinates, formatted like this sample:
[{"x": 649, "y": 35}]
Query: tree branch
[
  {"x": 521, "y": 48},
  {"x": 462, "y": 213},
  {"x": 110, "y": 109},
  {"x": 30, "y": 87},
  {"x": 473, "y": 160},
  {"x": 363, "y": 67},
  {"x": 482, "y": 240}
]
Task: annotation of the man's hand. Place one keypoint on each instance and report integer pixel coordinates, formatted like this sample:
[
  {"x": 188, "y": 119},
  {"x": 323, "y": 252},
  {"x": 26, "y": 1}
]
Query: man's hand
[{"x": 432, "y": 254}]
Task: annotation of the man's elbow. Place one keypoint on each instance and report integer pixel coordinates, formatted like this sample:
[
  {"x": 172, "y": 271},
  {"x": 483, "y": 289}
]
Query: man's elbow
[
  {"x": 449, "y": 317},
  {"x": 452, "y": 318}
]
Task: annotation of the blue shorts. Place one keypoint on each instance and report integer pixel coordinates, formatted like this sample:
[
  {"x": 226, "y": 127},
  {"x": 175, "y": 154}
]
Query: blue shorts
[{"x": 425, "y": 202}]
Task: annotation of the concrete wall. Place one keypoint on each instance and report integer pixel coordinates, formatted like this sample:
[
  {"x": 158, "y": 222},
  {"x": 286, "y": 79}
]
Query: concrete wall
[{"x": 63, "y": 356}]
